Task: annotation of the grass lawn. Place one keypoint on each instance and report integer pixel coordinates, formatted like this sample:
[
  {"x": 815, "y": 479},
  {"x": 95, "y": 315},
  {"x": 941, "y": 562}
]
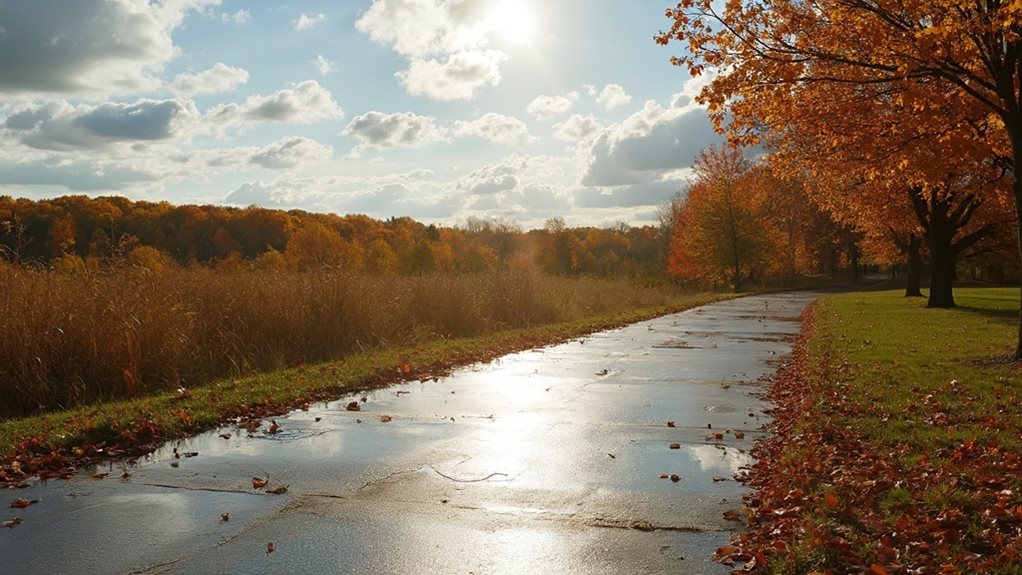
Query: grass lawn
[
  {"x": 55, "y": 444},
  {"x": 897, "y": 443}
]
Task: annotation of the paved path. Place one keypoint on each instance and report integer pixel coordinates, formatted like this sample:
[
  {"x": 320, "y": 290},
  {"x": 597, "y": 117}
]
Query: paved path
[{"x": 546, "y": 461}]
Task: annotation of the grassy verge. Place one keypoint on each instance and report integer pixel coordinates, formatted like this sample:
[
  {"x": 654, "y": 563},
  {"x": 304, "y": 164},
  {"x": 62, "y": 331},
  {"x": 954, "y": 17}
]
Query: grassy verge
[
  {"x": 54, "y": 444},
  {"x": 897, "y": 444}
]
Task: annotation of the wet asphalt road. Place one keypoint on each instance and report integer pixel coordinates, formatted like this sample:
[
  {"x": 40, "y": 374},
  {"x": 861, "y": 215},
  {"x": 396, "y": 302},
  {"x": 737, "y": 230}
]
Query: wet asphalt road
[{"x": 546, "y": 461}]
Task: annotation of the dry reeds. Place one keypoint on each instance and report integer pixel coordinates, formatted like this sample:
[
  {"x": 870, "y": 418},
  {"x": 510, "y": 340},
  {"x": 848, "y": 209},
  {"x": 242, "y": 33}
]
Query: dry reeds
[{"x": 69, "y": 339}]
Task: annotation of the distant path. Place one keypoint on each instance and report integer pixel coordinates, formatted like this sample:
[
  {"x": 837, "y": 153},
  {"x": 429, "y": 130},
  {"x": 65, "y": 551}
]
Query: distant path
[{"x": 545, "y": 461}]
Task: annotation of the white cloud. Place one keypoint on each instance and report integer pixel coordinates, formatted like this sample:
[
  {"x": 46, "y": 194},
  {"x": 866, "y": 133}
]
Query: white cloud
[
  {"x": 590, "y": 89},
  {"x": 309, "y": 21},
  {"x": 62, "y": 127},
  {"x": 291, "y": 153},
  {"x": 323, "y": 65},
  {"x": 445, "y": 44},
  {"x": 239, "y": 17},
  {"x": 577, "y": 127},
  {"x": 376, "y": 130},
  {"x": 88, "y": 46},
  {"x": 647, "y": 146},
  {"x": 493, "y": 179},
  {"x": 613, "y": 96},
  {"x": 544, "y": 107},
  {"x": 496, "y": 128},
  {"x": 219, "y": 78},
  {"x": 455, "y": 77},
  {"x": 307, "y": 102}
]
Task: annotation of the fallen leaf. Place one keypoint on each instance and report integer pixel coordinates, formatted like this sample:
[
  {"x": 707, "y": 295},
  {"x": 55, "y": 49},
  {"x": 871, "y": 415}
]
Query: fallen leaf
[
  {"x": 274, "y": 427},
  {"x": 675, "y": 478},
  {"x": 670, "y": 424},
  {"x": 719, "y": 478},
  {"x": 225, "y": 517},
  {"x": 126, "y": 474},
  {"x": 831, "y": 500},
  {"x": 270, "y": 548},
  {"x": 877, "y": 569},
  {"x": 258, "y": 482},
  {"x": 22, "y": 503},
  {"x": 353, "y": 406},
  {"x": 732, "y": 515},
  {"x": 675, "y": 446},
  {"x": 100, "y": 475},
  {"x": 664, "y": 476},
  {"x": 612, "y": 456},
  {"x": 11, "y": 523},
  {"x": 278, "y": 490},
  {"x": 175, "y": 463},
  {"x": 189, "y": 453},
  {"x": 386, "y": 418},
  {"x": 225, "y": 435},
  {"x": 318, "y": 419},
  {"x": 739, "y": 435}
]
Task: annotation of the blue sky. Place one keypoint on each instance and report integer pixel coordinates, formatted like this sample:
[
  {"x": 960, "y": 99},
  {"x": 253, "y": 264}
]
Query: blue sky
[{"x": 436, "y": 109}]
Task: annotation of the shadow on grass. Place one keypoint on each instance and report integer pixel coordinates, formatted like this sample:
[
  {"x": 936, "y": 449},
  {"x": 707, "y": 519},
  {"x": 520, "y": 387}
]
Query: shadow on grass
[{"x": 1007, "y": 316}]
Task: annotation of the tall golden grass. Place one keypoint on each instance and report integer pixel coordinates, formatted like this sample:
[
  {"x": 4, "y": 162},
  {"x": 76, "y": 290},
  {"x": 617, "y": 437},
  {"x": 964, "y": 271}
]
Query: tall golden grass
[{"x": 70, "y": 339}]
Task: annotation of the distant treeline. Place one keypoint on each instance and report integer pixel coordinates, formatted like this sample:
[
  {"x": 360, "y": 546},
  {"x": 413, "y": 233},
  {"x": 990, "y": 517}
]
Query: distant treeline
[{"x": 78, "y": 231}]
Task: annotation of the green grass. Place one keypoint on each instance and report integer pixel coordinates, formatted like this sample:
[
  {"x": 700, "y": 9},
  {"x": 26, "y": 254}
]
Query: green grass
[
  {"x": 167, "y": 415},
  {"x": 910, "y": 364},
  {"x": 916, "y": 413}
]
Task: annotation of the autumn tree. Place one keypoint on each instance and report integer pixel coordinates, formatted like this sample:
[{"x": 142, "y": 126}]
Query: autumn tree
[
  {"x": 929, "y": 53},
  {"x": 720, "y": 232}
]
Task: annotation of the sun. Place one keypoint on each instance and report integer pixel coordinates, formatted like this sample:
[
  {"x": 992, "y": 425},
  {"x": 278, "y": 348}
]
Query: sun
[{"x": 514, "y": 20}]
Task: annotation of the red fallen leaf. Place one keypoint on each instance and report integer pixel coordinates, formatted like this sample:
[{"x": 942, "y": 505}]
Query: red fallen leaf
[
  {"x": 258, "y": 482},
  {"x": 22, "y": 503},
  {"x": 270, "y": 548},
  {"x": 732, "y": 515},
  {"x": 877, "y": 569},
  {"x": 670, "y": 424},
  {"x": 100, "y": 475},
  {"x": 831, "y": 500},
  {"x": 11, "y": 523},
  {"x": 353, "y": 406},
  {"x": 675, "y": 446},
  {"x": 406, "y": 367},
  {"x": 739, "y": 435},
  {"x": 675, "y": 478},
  {"x": 225, "y": 517},
  {"x": 718, "y": 436},
  {"x": 386, "y": 418},
  {"x": 278, "y": 490},
  {"x": 274, "y": 428}
]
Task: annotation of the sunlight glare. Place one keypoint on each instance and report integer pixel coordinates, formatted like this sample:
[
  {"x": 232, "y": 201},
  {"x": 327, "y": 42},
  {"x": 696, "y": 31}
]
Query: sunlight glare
[{"x": 514, "y": 20}]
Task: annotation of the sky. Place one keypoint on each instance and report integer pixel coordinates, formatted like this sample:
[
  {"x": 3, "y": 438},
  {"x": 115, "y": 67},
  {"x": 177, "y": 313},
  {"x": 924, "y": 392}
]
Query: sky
[{"x": 440, "y": 110}]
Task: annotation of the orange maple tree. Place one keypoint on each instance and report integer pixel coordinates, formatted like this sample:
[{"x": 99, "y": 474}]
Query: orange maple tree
[{"x": 921, "y": 58}]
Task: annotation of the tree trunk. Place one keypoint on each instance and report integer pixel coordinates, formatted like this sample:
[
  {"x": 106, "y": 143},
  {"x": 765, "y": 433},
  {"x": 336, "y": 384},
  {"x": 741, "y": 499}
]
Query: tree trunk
[
  {"x": 915, "y": 267},
  {"x": 1014, "y": 129},
  {"x": 942, "y": 257}
]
